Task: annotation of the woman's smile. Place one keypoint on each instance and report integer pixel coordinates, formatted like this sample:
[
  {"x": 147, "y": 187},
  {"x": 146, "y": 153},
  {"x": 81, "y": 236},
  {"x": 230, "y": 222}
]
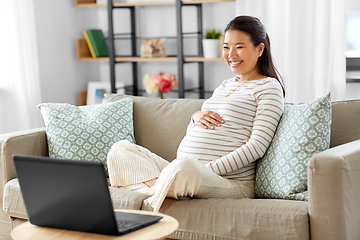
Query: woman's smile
[
  {"x": 241, "y": 55},
  {"x": 235, "y": 63}
]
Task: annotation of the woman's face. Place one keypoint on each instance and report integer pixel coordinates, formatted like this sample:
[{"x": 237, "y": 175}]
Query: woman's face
[{"x": 241, "y": 55}]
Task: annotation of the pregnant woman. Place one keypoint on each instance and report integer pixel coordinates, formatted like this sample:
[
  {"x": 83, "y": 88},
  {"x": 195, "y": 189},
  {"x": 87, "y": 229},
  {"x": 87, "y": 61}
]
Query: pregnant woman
[{"x": 216, "y": 158}]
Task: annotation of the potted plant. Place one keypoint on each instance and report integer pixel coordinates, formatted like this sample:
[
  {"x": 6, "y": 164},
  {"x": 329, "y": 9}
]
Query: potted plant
[{"x": 211, "y": 43}]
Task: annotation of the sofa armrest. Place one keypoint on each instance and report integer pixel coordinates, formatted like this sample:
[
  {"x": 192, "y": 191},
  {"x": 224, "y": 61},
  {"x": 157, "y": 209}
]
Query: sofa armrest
[
  {"x": 334, "y": 193},
  {"x": 29, "y": 142}
]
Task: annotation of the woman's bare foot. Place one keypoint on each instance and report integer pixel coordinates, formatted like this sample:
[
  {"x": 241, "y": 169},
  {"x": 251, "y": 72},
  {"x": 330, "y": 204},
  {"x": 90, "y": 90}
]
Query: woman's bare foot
[
  {"x": 151, "y": 184},
  {"x": 150, "y": 191}
]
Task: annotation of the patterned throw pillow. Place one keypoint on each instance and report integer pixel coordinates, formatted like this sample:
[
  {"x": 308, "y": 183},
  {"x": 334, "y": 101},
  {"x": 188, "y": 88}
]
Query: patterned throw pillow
[
  {"x": 87, "y": 132},
  {"x": 303, "y": 131}
]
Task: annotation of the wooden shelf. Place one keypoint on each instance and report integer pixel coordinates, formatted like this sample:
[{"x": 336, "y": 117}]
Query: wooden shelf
[
  {"x": 143, "y": 59},
  {"x": 205, "y": 1},
  {"x": 83, "y": 54},
  {"x": 143, "y": 3},
  {"x": 87, "y": 3},
  {"x": 92, "y": 3},
  {"x": 166, "y": 59},
  {"x": 201, "y": 59}
]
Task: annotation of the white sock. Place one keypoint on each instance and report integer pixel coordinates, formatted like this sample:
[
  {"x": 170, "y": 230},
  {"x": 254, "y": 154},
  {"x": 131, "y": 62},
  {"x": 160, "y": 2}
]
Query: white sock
[{"x": 141, "y": 189}]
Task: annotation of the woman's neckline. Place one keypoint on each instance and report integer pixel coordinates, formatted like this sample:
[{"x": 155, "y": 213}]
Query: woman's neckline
[{"x": 237, "y": 79}]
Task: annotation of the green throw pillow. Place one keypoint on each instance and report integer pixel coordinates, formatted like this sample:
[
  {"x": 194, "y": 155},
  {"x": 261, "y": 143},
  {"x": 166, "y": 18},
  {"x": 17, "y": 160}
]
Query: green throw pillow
[
  {"x": 303, "y": 131},
  {"x": 87, "y": 132}
]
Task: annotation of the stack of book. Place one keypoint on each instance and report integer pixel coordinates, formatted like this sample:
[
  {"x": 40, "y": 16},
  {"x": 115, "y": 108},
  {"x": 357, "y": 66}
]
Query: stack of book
[{"x": 96, "y": 43}]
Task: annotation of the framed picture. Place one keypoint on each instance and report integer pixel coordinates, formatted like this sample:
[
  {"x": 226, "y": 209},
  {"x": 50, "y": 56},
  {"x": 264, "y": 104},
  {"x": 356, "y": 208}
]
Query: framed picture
[{"x": 96, "y": 91}]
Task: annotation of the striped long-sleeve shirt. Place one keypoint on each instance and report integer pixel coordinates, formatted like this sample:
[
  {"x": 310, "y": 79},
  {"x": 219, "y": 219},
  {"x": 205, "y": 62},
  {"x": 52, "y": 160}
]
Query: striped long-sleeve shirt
[{"x": 251, "y": 111}]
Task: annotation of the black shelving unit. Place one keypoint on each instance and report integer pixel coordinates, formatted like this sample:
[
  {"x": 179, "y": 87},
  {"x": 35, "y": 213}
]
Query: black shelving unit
[
  {"x": 134, "y": 88},
  {"x": 180, "y": 53}
]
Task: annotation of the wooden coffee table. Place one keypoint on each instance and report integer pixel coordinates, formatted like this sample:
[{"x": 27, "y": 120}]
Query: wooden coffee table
[{"x": 166, "y": 226}]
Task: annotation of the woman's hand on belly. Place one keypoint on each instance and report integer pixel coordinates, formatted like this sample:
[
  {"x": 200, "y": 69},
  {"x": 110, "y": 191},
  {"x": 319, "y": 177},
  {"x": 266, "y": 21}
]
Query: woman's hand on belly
[{"x": 207, "y": 119}]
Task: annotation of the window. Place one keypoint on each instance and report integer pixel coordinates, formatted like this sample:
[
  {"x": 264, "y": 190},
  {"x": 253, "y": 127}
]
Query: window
[{"x": 353, "y": 35}]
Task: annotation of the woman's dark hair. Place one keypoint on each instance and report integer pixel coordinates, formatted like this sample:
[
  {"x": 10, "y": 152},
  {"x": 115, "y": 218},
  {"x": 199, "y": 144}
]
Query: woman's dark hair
[{"x": 257, "y": 32}]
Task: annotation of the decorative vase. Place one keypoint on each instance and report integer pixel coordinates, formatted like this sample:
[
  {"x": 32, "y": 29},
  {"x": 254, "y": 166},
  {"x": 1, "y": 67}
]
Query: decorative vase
[
  {"x": 211, "y": 48},
  {"x": 160, "y": 95}
]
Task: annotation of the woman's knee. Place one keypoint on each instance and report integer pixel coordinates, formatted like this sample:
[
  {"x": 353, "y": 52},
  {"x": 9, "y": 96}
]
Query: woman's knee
[
  {"x": 122, "y": 145},
  {"x": 118, "y": 150},
  {"x": 186, "y": 164}
]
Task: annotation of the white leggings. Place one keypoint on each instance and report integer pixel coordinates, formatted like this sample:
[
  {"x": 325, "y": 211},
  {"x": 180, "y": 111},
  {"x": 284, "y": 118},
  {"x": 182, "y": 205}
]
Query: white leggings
[{"x": 131, "y": 165}]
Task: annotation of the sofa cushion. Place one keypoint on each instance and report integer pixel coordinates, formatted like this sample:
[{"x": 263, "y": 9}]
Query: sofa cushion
[
  {"x": 345, "y": 124},
  {"x": 160, "y": 124},
  {"x": 303, "y": 131},
  {"x": 87, "y": 132},
  {"x": 13, "y": 203},
  {"x": 225, "y": 219}
]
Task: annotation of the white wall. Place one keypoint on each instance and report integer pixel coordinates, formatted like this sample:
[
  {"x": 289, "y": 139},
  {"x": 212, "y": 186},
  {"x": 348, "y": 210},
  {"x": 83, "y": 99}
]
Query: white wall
[
  {"x": 353, "y": 89},
  {"x": 60, "y": 23}
]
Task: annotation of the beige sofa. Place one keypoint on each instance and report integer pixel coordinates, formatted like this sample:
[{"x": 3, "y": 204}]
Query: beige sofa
[{"x": 332, "y": 212}]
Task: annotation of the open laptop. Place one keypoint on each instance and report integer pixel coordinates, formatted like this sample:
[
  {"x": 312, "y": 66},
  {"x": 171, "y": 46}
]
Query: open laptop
[{"x": 72, "y": 195}]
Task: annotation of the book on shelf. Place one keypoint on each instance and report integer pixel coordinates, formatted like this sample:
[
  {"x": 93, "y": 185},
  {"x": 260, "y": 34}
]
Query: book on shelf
[{"x": 96, "y": 43}]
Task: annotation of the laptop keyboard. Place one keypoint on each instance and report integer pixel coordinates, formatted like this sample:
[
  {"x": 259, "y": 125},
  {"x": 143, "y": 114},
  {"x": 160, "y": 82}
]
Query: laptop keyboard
[{"x": 125, "y": 224}]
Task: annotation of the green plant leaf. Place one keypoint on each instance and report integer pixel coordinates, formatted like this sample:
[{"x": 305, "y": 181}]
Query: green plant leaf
[{"x": 212, "y": 34}]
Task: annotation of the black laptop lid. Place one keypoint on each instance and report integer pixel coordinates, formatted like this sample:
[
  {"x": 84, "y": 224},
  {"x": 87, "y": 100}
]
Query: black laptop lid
[{"x": 66, "y": 194}]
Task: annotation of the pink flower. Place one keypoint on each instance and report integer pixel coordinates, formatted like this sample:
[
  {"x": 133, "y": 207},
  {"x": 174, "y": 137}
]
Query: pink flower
[
  {"x": 166, "y": 76},
  {"x": 162, "y": 81},
  {"x": 164, "y": 86},
  {"x": 157, "y": 79}
]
